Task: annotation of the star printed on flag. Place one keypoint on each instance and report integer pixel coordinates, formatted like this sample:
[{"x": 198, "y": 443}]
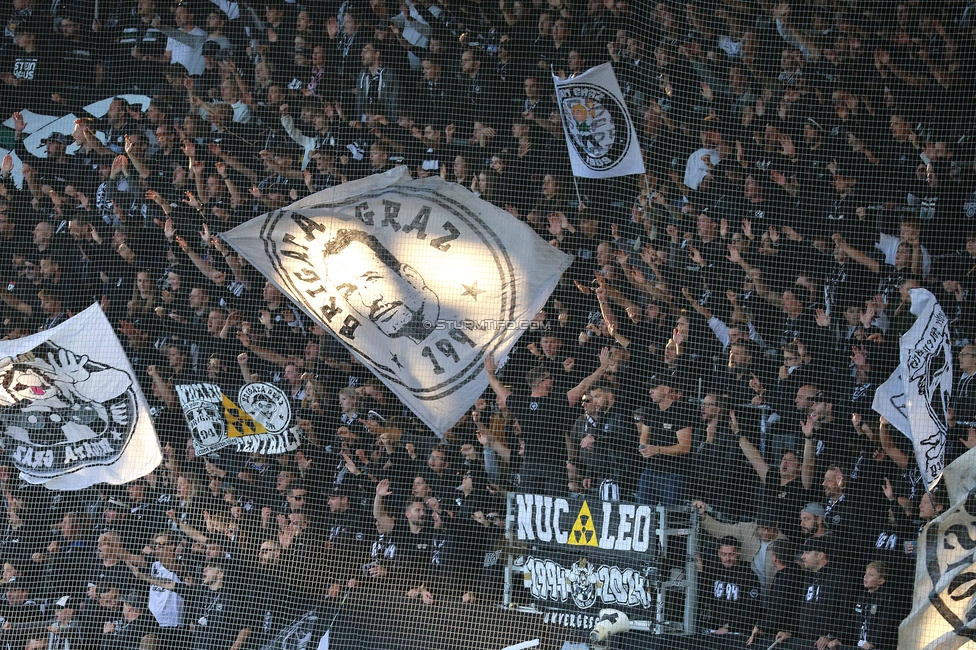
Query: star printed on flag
[{"x": 473, "y": 290}]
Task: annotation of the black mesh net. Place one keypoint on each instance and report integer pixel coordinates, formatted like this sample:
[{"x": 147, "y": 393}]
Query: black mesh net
[{"x": 768, "y": 207}]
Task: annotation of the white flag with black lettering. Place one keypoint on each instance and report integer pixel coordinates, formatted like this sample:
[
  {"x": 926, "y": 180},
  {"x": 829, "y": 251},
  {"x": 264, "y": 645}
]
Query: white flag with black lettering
[
  {"x": 71, "y": 409},
  {"x": 600, "y": 135},
  {"x": 916, "y": 396},
  {"x": 419, "y": 279}
]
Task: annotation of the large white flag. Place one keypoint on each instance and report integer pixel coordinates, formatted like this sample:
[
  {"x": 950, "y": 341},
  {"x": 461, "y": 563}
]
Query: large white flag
[
  {"x": 71, "y": 409},
  {"x": 600, "y": 135},
  {"x": 944, "y": 606},
  {"x": 916, "y": 396},
  {"x": 419, "y": 279}
]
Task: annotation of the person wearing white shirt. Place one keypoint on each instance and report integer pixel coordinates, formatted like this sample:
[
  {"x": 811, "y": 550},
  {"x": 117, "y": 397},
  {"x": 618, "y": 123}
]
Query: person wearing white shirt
[
  {"x": 188, "y": 54},
  {"x": 166, "y": 603},
  {"x": 909, "y": 233}
]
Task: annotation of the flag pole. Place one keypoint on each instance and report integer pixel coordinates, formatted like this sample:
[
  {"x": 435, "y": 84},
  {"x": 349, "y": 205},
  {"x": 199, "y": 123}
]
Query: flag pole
[{"x": 576, "y": 185}]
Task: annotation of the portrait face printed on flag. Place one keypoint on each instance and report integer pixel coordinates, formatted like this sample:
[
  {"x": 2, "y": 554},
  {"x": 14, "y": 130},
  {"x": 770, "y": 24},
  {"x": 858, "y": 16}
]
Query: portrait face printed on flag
[
  {"x": 404, "y": 279},
  {"x": 418, "y": 279},
  {"x": 390, "y": 295},
  {"x": 61, "y": 411}
]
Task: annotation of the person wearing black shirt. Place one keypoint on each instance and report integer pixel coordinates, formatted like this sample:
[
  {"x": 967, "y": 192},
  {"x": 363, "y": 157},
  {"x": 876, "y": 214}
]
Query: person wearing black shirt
[
  {"x": 729, "y": 593},
  {"x": 665, "y": 439},
  {"x": 266, "y": 581},
  {"x": 104, "y": 605},
  {"x": 26, "y": 71},
  {"x": 21, "y": 615},
  {"x": 477, "y": 89},
  {"x": 57, "y": 169},
  {"x": 81, "y": 56},
  {"x": 218, "y": 618},
  {"x": 346, "y": 517},
  {"x": 109, "y": 567},
  {"x": 540, "y": 414},
  {"x": 145, "y": 515},
  {"x": 963, "y": 404},
  {"x": 437, "y": 97},
  {"x": 62, "y": 560},
  {"x": 438, "y": 474},
  {"x": 849, "y": 516},
  {"x": 825, "y": 438},
  {"x": 783, "y": 597},
  {"x": 348, "y": 46},
  {"x": 64, "y": 630},
  {"x": 600, "y": 448},
  {"x": 476, "y": 512},
  {"x": 350, "y": 528},
  {"x": 874, "y": 616},
  {"x": 425, "y": 558},
  {"x": 784, "y": 491},
  {"x": 129, "y": 632},
  {"x": 820, "y": 617}
]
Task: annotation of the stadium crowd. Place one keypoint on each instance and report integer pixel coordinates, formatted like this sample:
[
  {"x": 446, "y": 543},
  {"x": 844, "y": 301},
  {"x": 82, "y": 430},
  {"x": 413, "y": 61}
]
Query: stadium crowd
[{"x": 717, "y": 341}]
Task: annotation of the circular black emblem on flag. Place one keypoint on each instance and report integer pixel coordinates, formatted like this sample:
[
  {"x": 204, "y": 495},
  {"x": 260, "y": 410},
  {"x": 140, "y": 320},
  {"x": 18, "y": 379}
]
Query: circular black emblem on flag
[{"x": 597, "y": 124}]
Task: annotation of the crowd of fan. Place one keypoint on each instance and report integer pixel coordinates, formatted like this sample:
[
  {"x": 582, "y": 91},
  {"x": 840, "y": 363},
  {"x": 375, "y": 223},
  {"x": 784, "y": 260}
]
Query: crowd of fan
[{"x": 718, "y": 339}]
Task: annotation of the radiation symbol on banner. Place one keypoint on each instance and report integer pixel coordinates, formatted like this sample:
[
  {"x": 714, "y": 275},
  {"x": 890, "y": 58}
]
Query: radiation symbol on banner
[
  {"x": 239, "y": 422},
  {"x": 584, "y": 532}
]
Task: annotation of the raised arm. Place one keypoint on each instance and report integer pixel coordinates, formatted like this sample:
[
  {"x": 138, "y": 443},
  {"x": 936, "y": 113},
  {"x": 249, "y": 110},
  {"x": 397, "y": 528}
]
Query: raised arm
[
  {"x": 163, "y": 388},
  {"x": 202, "y": 265},
  {"x": 487, "y": 438},
  {"x": 502, "y": 393},
  {"x": 610, "y": 316},
  {"x": 268, "y": 355},
  {"x": 575, "y": 394},
  {"x": 894, "y": 453},
  {"x": 136, "y": 159},
  {"x": 756, "y": 276},
  {"x": 701, "y": 309},
  {"x": 856, "y": 254},
  {"x": 809, "y": 456},
  {"x": 752, "y": 454},
  {"x": 384, "y": 522}
]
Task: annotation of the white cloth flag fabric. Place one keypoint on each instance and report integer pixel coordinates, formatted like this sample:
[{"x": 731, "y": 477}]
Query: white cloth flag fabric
[
  {"x": 943, "y": 611},
  {"x": 419, "y": 279},
  {"x": 916, "y": 396},
  {"x": 600, "y": 135},
  {"x": 71, "y": 409}
]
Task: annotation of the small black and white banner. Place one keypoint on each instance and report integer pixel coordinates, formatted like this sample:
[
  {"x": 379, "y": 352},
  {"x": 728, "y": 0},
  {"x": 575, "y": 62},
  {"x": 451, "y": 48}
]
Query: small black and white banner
[
  {"x": 71, "y": 410},
  {"x": 584, "y": 585},
  {"x": 600, "y": 135},
  {"x": 916, "y": 396},
  {"x": 256, "y": 421}
]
